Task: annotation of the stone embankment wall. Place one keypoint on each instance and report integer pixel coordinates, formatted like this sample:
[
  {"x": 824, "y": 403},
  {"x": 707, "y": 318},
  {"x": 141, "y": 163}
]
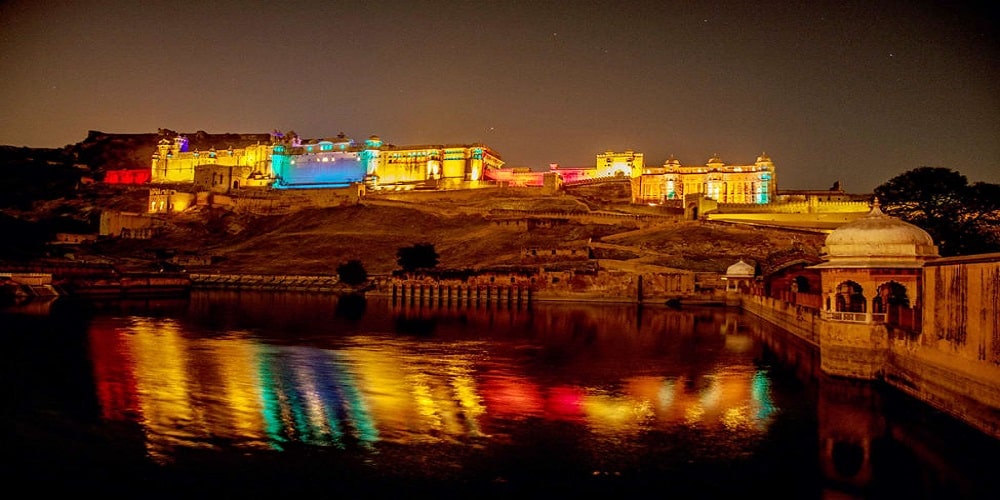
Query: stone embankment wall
[
  {"x": 267, "y": 282},
  {"x": 457, "y": 292},
  {"x": 961, "y": 309},
  {"x": 800, "y": 321},
  {"x": 953, "y": 363},
  {"x": 28, "y": 285},
  {"x": 579, "y": 285},
  {"x": 585, "y": 285}
]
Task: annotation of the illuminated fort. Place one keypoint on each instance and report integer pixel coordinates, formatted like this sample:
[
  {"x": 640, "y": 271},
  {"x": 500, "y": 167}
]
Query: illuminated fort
[
  {"x": 288, "y": 162},
  {"x": 753, "y": 183},
  {"x": 282, "y": 161},
  {"x": 750, "y": 183}
]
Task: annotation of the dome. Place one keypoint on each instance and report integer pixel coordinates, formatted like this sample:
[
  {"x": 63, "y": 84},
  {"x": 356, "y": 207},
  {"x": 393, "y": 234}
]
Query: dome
[
  {"x": 878, "y": 239},
  {"x": 740, "y": 269}
]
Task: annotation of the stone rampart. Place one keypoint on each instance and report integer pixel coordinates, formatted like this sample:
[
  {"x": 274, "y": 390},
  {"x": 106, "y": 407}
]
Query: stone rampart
[
  {"x": 800, "y": 321},
  {"x": 267, "y": 282},
  {"x": 786, "y": 218},
  {"x": 811, "y": 206},
  {"x": 952, "y": 364},
  {"x": 263, "y": 203}
]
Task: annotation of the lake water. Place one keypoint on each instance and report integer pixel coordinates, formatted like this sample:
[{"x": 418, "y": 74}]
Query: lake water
[{"x": 291, "y": 394}]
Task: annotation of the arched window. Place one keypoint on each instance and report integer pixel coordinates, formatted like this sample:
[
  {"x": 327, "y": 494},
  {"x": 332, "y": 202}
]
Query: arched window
[
  {"x": 890, "y": 294},
  {"x": 850, "y": 297},
  {"x": 892, "y": 305},
  {"x": 802, "y": 284}
]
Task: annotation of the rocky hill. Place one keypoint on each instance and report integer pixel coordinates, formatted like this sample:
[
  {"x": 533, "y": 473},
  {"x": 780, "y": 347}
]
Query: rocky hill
[
  {"x": 47, "y": 191},
  {"x": 466, "y": 234}
]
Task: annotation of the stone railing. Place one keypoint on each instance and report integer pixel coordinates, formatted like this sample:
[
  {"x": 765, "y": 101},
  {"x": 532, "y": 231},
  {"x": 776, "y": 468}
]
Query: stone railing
[
  {"x": 266, "y": 282},
  {"x": 849, "y": 317}
]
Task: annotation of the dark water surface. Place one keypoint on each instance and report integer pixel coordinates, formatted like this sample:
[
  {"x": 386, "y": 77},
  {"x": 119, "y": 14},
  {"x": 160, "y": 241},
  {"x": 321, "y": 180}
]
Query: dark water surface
[{"x": 284, "y": 394}]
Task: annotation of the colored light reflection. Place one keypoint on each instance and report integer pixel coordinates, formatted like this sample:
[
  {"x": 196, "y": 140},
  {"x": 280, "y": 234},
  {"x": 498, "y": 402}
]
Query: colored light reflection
[
  {"x": 188, "y": 391},
  {"x": 565, "y": 403},
  {"x": 114, "y": 372},
  {"x": 511, "y": 396}
]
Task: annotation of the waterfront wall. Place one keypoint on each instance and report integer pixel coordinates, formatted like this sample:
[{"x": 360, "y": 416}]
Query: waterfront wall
[
  {"x": 305, "y": 283},
  {"x": 961, "y": 310},
  {"x": 952, "y": 364},
  {"x": 488, "y": 286},
  {"x": 14, "y": 286},
  {"x": 129, "y": 285},
  {"x": 799, "y": 321}
]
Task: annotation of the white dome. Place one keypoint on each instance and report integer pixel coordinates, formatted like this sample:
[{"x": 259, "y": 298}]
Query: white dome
[
  {"x": 740, "y": 269},
  {"x": 879, "y": 238}
]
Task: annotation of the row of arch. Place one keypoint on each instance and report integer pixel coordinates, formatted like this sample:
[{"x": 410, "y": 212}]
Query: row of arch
[{"x": 850, "y": 297}]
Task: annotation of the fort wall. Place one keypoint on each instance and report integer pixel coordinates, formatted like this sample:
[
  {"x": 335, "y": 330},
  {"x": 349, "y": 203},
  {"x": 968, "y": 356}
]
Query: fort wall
[
  {"x": 952, "y": 363},
  {"x": 811, "y": 206},
  {"x": 797, "y": 320},
  {"x": 126, "y": 225},
  {"x": 307, "y": 283}
]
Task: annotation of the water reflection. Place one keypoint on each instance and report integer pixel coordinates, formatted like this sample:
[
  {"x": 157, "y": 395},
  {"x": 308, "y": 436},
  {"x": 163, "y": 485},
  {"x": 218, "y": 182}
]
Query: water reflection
[
  {"x": 708, "y": 400},
  {"x": 228, "y": 375}
]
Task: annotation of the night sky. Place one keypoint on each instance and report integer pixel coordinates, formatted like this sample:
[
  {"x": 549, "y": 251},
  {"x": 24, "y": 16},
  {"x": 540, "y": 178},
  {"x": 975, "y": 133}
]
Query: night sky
[{"x": 856, "y": 91}]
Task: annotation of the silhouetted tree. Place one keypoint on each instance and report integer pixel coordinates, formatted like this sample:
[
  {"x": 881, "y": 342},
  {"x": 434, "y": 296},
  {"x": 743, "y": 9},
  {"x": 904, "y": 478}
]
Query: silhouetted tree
[
  {"x": 963, "y": 219},
  {"x": 417, "y": 256},
  {"x": 352, "y": 272}
]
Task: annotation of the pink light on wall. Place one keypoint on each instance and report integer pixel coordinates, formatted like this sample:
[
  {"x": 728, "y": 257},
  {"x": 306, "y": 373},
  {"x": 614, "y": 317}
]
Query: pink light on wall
[{"x": 127, "y": 176}]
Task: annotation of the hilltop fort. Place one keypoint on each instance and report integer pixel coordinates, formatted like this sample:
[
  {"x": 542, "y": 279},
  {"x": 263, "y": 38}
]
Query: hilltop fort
[{"x": 247, "y": 202}]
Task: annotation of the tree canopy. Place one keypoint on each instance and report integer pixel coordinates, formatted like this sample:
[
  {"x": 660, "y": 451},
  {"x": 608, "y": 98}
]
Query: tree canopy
[
  {"x": 962, "y": 218},
  {"x": 352, "y": 272},
  {"x": 417, "y": 256}
]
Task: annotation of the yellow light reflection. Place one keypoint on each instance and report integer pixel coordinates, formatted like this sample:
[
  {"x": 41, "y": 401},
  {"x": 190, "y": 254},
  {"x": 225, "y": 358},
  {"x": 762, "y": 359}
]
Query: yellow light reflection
[
  {"x": 162, "y": 385},
  {"x": 471, "y": 403},
  {"x": 415, "y": 396},
  {"x": 736, "y": 418},
  {"x": 240, "y": 388},
  {"x": 693, "y": 414}
]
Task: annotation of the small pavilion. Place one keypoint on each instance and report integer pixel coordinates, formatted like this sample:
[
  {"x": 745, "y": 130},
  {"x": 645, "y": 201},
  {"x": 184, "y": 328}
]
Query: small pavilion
[{"x": 872, "y": 269}]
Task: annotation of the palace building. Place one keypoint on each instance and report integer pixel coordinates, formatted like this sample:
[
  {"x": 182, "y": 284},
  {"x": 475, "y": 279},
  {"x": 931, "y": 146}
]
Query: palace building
[
  {"x": 290, "y": 163},
  {"x": 732, "y": 184},
  {"x": 745, "y": 183},
  {"x": 285, "y": 161},
  {"x": 174, "y": 163},
  {"x": 433, "y": 166},
  {"x": 608, "y": 165}
]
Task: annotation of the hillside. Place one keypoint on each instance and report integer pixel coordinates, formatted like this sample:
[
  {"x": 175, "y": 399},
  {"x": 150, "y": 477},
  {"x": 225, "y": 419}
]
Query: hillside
[
  {"x": 463, "y": 231},
  {"x": 45, "y": 191}
]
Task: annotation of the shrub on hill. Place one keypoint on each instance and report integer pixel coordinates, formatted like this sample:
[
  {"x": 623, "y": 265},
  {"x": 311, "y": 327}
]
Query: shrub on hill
[{"x": 417, "y": 256}]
